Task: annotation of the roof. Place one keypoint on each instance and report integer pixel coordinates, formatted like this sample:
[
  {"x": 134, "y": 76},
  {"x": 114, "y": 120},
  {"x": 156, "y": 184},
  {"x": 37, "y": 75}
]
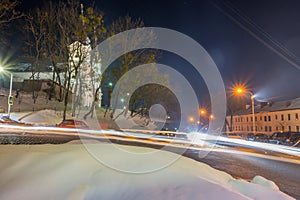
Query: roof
[{"x": 273, "y": 106}]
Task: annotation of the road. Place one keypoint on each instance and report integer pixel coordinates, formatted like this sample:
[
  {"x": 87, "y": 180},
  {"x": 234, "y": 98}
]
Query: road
[{"x": 285, "y": 174}]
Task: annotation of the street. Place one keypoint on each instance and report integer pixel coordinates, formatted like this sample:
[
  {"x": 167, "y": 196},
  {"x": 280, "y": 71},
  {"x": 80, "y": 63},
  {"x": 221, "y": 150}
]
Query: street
[{"x": 286, "y": 175}]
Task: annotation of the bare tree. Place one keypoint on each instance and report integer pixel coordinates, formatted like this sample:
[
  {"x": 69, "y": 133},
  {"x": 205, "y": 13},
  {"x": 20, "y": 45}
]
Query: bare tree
[
  {"x": 34, "y": 29},
  {"x": 8, "y": 11},
  {"x": 131, "y": 59},
  {"x": 61, "y": 34},
  {"x": 8, "y": 14}
]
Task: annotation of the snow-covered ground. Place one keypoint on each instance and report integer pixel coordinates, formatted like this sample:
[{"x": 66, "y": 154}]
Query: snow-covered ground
[
  {"x": 42, "y": 117},
  {"x": 68, "y": 171}
]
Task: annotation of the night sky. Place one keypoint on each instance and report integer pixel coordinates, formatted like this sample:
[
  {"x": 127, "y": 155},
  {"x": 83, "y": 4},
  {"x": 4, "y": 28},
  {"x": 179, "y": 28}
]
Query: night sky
[
  {"x": 254, "y": 42},
  {"x": 242, "y": 37}
]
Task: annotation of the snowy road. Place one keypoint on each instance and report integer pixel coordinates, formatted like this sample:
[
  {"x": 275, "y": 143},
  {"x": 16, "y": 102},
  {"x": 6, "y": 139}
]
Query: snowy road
[{"x": 285, "y": 174}]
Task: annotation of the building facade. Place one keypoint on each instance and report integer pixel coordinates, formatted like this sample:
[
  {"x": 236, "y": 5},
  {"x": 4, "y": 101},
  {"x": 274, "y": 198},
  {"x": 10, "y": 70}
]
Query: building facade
[
  {"x": 269, "y": 117},
  {"x": 88, "y": 78}
]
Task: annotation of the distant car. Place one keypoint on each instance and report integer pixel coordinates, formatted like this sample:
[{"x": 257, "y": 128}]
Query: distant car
[
  {"x": 261, "y": 137},
  {"x": 72, "y": 123},
  {"x": 250, "y": 137},
  {"x": 171, "y": 134},
  {"x": 285, "y": 138},
  {"x": 234, "y": 135}
]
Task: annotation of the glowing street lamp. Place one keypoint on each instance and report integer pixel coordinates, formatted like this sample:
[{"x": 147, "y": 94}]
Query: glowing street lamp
[
  {"x": 191, "y": 119},
  {"x": 201, "y": 112},
  {"x": 10, "y": 97},
  {"x": 240, "y": 91}
]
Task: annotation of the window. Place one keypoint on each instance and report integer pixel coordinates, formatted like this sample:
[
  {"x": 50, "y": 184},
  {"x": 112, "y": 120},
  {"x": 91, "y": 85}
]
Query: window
[
  {"x": 255, "y": 118},
  {"x": 265, "y": 118},
  {"x": 296, "y": 116},
  {"x": 276, "y": 117},
  {"x": 282, "y": 117},
  {"x": 297, "y": 128},
  {"x": 289, "y": 117},
  {"x": 266, "y": 128},
  {"x": 276, "y": 128},
  {"x": 260, "y": 118},
  {"x": 269, "y": 118},
  {"x": 270, "y": 129},
  {"x": 290, "y": 128}
]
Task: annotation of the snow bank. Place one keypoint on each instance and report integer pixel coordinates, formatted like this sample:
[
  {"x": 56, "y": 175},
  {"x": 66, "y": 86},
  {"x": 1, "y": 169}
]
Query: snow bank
[
  {"x": 264, "y": 182},
  {"x": 68, "y": 171},
  {"x": 42, "y": 117}
]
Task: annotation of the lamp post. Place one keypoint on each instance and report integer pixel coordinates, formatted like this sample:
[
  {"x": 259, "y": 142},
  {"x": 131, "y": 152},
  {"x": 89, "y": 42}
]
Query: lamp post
[
  {"x": 10, "y": 97},
  {"x": 201, "y": 112},
  {"x": 253, "y": 111},
  {"x": 241, "y": 90}
]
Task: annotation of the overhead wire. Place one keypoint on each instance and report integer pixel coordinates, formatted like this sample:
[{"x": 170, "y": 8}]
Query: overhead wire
[{"x": 243, "y": 20}]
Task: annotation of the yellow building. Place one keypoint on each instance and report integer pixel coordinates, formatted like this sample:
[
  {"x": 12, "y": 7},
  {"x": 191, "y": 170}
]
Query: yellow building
[{"x": 281, "y": 116}]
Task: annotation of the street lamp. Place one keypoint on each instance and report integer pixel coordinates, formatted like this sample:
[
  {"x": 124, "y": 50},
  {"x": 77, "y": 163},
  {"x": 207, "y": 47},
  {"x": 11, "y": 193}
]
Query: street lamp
[
  {"x": 10, "y": 97},
  {"x": 201, "y": 112},
  {"x": 241, "y": 91},
  {"x": 191, "y": 119}
]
